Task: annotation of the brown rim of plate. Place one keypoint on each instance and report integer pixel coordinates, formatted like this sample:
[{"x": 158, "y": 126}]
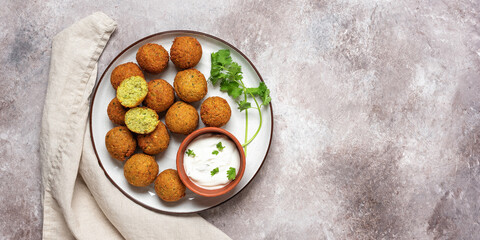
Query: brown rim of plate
[
  {"x": 181, "y": 169},
  {"x": 95, "y": 93}
]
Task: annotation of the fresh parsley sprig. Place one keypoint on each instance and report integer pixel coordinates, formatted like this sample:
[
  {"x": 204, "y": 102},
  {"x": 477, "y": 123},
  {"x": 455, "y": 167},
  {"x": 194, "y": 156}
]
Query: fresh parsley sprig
[
  {"x": 229, "y": 74},
  {"x": 214, "y": 171},
  {"x": 190, "y": 153},
  {"x": 220, "y": 147},
  {"x": 231, "y": 173}
]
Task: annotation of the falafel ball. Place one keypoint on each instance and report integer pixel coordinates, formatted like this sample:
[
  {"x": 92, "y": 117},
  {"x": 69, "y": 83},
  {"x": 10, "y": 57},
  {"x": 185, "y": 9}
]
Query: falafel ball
[
  {"x": 168, "y": 186},
  {"x": 132, "y": 91},
  {"x": 181, "y": 118},
  {"x": 120, "y": 143},
  {"x": 190, "y": 85},
  {"x": 154, "y": 142},
  {"x": 141, "y": 120},
  {"x": 215, "y": 112},
  {"x": 140, "y": 170},
  {"x": 185, "y": 52},
  {"x": 152, "y": 58},
  {"x": 160, "y": 95},
  {"x": 116, "y": 112},
  {"x": 123, "y": 71}
]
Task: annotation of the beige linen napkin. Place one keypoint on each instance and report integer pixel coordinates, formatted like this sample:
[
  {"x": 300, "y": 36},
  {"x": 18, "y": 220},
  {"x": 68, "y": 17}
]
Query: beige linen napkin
[{"x": 79, "y": 201}]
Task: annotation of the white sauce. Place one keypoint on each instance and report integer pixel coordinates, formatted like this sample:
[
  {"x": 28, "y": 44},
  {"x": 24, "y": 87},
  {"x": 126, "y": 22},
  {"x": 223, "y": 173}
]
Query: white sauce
[{"x": 199, "y": 168}]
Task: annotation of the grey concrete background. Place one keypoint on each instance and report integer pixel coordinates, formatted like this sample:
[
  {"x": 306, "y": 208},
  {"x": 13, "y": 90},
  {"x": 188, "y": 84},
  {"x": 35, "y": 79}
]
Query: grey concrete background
[{"x": 376, "y": 103}]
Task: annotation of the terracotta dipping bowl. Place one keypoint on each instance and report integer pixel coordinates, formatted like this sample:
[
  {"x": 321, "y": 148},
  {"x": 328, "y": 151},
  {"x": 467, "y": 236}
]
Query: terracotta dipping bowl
[{"x": 186, "y": 180}]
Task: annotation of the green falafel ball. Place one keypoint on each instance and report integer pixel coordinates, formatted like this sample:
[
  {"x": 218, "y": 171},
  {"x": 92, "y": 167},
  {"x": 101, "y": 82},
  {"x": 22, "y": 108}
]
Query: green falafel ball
[
  {"x": 141, "y": 120},
  {"x": 132, "y": 91}
]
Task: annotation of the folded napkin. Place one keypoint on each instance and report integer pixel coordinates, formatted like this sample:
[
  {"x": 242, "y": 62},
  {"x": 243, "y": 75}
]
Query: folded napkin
[{"x": 79, "y": 201}]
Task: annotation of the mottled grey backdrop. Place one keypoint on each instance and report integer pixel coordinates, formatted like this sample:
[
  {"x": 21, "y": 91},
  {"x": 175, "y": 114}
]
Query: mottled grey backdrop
[{"x": 376, "y": 104}]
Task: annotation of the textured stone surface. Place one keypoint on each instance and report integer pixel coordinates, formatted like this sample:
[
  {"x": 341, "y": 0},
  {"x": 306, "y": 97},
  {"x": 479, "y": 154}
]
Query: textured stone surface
[{"x": 377, "y": 111}]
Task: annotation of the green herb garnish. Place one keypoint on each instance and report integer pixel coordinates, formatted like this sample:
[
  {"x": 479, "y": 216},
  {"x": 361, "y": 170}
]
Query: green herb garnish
[
  {"x": 190, "y": 153},
  {"x": 214, "y": 171},
  {"x": 231, "y": 173},
  {"x": 229, "y": 74},
  {"x": 220, "y": 147},
  {"x": 215, "y": 152}
]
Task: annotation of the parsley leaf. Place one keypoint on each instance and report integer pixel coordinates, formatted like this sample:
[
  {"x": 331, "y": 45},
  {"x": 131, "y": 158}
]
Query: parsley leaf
[
  {"x": 235, "y": 71},
  {"x": 221, "y": 61},
  {"x": 231, "y": 173},
  {"x": 190, "y": 153},
  {"x": 214, "y": 171},
  {"x": 242, "y": 105},
  {"x": 220, "y": 147},
  {"x": 222, "y": 56},
  {"x": 262, "y": 91},
  {"x": 232, "y": 88},
  {"x": 215, "y": 152},
  {"x": 266, "y": 98}
]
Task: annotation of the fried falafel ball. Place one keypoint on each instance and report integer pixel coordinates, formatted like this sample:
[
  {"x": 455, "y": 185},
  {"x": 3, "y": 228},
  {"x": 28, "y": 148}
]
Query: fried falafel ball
[
  {"x": 120, "y": 143},
  {"x": 132, "y": 91},
  {"x": 190, "y": 85},
  {"x": 141, "y": 120},
  {"x": 124, "y": 71},
  {"x": 215, "y": 112},
  {"x": 160, "y": 95},
  {"x": 140, "y": 170},
  {"x": 168, "y": 186},
  {"x": 152, "y": 58},
  {"x": 185, "y": 52},
  {"x": 154, "y": 142},
  {"x": 116, "y": 112},
  {"x": 181, "y": 118}
]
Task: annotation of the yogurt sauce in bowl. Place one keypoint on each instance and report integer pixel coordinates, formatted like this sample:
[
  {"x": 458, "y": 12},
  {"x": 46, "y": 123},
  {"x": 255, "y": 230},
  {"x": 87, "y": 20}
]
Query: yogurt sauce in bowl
[{"x": 211, "y": 161}]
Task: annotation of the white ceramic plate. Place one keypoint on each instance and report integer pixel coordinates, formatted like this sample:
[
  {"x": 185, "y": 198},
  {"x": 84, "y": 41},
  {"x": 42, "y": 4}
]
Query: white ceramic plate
[{"x": 256, "y": 151}]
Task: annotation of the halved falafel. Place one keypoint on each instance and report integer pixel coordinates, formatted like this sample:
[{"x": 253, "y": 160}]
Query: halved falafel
[
  {"x": 190, "y": 85},
  {"x": 141, "y": 120},
  {"x": 132, "y": 91}
]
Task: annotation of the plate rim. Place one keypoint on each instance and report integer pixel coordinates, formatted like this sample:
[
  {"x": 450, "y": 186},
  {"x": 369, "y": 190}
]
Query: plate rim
[{"x": 95, "y": 93}]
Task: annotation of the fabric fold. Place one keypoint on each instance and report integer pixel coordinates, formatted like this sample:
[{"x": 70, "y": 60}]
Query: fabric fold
[
  {"x": 79, "y": 201},
  {"x": 75, "y": 53}
]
